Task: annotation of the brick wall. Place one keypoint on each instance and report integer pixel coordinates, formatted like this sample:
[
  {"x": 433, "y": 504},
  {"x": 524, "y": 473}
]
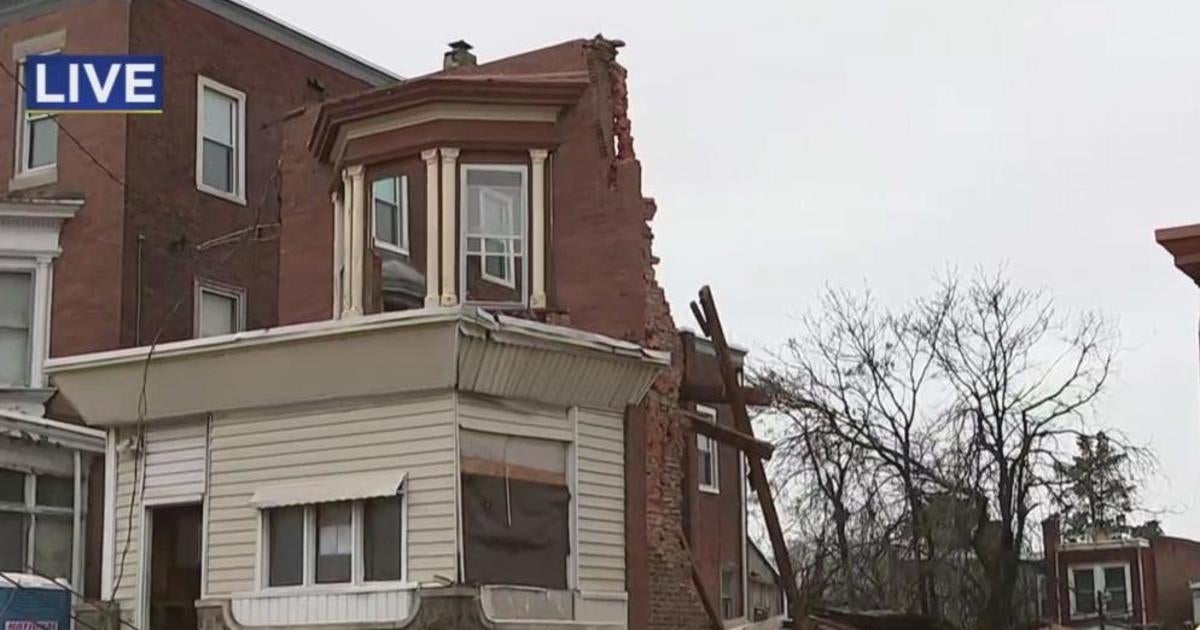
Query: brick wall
[{"x": 165, "y": 208}]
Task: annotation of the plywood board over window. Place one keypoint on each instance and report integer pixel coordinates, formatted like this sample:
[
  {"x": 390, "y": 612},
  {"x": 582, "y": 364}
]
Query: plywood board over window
[{"x": 516, "y": 510}]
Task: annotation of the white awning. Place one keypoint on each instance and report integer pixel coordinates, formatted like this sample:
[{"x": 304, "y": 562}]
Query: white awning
[{"x": 330, "y": 489}]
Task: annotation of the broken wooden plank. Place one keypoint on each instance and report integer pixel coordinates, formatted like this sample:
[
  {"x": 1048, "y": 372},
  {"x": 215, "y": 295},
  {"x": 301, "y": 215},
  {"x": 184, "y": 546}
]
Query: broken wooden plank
[
  {"x": 710, "y": 323},
  {"x": 745, "y": 443}
]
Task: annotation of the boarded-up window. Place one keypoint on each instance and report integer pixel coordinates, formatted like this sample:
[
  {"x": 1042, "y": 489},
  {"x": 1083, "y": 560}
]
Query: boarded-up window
[{"x": 516, "y": 510}]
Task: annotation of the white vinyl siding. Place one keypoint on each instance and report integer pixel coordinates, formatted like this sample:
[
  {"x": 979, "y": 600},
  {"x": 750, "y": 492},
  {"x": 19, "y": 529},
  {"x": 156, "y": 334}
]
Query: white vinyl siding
[
  {"x": 493, "y": 416},
  {"x": 600, "y": 477},
  {"x": 175, "y": 462},
  {"x": 250, "y": 451}
]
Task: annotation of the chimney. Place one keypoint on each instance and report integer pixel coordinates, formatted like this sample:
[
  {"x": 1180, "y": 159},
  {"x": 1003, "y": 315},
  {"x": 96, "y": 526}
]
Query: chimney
[
  {"x": 1051, "y": 538},
  {"x": 459, "y": 56}
]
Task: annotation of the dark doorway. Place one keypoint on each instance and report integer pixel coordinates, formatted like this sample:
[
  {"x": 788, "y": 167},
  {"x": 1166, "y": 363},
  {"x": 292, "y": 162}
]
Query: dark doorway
[{"x": 174, "y": 567}]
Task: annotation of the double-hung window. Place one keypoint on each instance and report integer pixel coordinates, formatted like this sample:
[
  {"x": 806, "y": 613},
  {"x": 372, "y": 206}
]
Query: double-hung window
[
  {"x": 344, "y": 542},
  {"x": 708, "y": 455},
  {"x": 37, "y": 134},
  {"x": 494, "y": 202},
  {"x": 389, "y": 203},
  {"x": 220, "y": 140},
  {"x": 1099, "y": 588},
  {"x": 36, "y": 523},
  {"x": 220, "y": 310},
  {"x": 16, "y": 323}
]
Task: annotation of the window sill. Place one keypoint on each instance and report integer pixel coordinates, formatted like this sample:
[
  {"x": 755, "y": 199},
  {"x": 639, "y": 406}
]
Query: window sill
[
  {"x": 388, "y": 247},
  {"x": 217, "y": 192},
  {"x": 710, "y": 489},
  {"x": 326, "y": 589},
  {"x": 43, "y": 176}
]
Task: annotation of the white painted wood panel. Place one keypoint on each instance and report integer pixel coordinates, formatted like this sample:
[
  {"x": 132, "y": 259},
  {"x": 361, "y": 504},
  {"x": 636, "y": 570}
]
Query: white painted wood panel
[{"x": 295, "y": 609}]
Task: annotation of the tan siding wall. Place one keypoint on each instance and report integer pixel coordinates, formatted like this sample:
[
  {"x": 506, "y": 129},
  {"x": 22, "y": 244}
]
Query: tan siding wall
[
  {"x": 173, "y": 473},
  {"x": 248, "y": 452},
  {"x": 600, "y": 481}
]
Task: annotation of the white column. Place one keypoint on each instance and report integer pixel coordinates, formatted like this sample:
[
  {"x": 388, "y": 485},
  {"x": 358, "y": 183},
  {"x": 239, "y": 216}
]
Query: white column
[
  {"x": 537, "y": 244},
  {"x": 449, "y": 225},
  {"x": 108, "y": 542},
  {"x": 339, "y": 239},
  {"x": 432, "y": 250},
  {"x": 357, "y": 238},
  {"x": 77, "y": 527}
]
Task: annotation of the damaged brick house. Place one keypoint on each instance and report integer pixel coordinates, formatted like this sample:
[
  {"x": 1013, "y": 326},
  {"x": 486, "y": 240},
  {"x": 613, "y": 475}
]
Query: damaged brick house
[
  {"x": 100, "y": 220},
  {"x": 510, "y": 186}
]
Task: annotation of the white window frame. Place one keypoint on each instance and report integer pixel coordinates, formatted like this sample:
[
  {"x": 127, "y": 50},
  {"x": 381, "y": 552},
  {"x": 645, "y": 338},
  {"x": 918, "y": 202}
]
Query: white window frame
[
  {"x": 358, "y": 581},
  {"x": 1097, "y": 570},
  {"x": 238, "y": 195},
  {"x": 32, "y": 510},
  {"x": 512, "y": 257},
  {"x": 25, "y": 120},
  {"x": 401, "y": 182},
  {"x": 238, "y": 294},
  {"x": 31, "y": 370},
  {"x": 707, "y": 444}
]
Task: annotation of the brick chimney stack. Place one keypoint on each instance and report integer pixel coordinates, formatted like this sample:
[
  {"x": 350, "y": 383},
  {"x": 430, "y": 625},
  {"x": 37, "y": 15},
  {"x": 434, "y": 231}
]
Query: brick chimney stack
[
  {"x": 459, "y": 56},
  {"x": 1051, "y": 539}
]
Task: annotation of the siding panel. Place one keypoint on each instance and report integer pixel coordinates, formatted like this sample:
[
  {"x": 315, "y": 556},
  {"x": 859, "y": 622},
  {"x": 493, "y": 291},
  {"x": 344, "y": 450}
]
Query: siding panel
[
  {"x": 600, "y": 494},
  {"x": 250, "y": 451}
]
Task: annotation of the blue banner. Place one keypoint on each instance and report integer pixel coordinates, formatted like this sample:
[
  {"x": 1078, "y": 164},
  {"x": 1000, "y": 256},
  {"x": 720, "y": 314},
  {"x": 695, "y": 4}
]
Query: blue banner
[{"x": 94, "y": 83}]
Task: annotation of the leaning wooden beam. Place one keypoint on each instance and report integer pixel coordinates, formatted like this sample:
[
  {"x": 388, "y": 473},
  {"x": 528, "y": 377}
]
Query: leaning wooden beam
[
  {"x": 713, "y": 616},
  {"x": 715, "y": 395},
  {"x": 710, "y": 323},
  {"x": 745, "y": 443}
]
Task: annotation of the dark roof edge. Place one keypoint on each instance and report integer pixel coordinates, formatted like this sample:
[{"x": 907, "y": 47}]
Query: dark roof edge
[
  {"x": 305, "y": 43},
  {"x": 28, "y": 8}
]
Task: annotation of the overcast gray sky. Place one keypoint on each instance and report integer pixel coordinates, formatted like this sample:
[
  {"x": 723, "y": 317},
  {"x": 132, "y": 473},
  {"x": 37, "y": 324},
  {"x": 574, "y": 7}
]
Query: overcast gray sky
[{"x": 802, "y": 144}]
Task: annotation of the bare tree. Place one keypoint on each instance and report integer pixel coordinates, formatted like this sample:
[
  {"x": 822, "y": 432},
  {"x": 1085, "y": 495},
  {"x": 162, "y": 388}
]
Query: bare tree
[{"x": 967, "y": 393}]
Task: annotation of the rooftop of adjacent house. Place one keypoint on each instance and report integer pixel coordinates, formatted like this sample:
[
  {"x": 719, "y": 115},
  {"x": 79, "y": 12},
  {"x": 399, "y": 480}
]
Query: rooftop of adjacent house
[
  {"x": 1183, "y": 243},
  {"x": 463, "y": 348},
  {"x": 253, "y": 20}
]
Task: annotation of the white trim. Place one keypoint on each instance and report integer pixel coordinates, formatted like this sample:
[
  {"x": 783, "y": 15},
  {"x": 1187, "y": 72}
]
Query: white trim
[
  {"x": 220, "y": 289},
  {"x": 537, "y": 241},
  {"x": 449, "y": 225},
  {"x": 77, "y": 523},
  {"x": 339, "y": 262},
  {"x": 401, "y": 186},
  {"x": 432, "y": 271},
  {"x": 238, "y": 195},
  {"x": 39, "y": 302},
  {"x": 356, "y": 203},
  {"x": 511, "y": 257},
  {"x": 1097, "y": 569},
  {"x": 705, "y": 443},
  {"x": 573, "y": 501},
  {"x": 108, "y": 541},
  {"x": 26, "y": 176}
]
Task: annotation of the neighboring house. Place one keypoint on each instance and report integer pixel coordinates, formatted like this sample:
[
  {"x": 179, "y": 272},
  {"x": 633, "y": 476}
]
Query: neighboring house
[
  {"x": 99, "y": 244},
  {"x": 765, "y": 591},
  {"x": 1130, "y": 580},
  {"x": 340, "y": 471}
]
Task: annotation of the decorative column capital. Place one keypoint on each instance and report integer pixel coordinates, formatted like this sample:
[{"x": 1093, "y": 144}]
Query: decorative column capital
[
  {"x": 449, "y": 154},
  {"x": 538, "y": 155},
  {"x": 355, "y": 171},
  {"x": 429, "y": 155}
]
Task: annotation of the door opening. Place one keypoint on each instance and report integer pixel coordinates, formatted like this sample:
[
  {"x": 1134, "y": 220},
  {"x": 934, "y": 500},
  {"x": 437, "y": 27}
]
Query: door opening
[{"x": 174, "y": 567}]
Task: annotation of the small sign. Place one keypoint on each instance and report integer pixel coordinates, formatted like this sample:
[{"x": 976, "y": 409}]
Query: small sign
[
  {"x": 31, "y": 625},
  {"x": 94, "y": 83}
]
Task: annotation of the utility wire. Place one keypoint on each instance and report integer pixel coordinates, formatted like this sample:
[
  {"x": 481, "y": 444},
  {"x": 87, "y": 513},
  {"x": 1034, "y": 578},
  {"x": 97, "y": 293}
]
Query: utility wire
[{"x": 241, "y": 235}]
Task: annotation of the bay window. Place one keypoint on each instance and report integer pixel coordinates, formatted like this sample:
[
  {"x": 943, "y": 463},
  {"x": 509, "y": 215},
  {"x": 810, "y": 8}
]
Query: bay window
[
  {"x": 389, "y": 205},
  {"x": 494, "y": 199}
]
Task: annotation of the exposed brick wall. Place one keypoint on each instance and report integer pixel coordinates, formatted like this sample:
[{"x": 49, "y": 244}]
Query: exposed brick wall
[{"x": 1176, "y": 565}]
